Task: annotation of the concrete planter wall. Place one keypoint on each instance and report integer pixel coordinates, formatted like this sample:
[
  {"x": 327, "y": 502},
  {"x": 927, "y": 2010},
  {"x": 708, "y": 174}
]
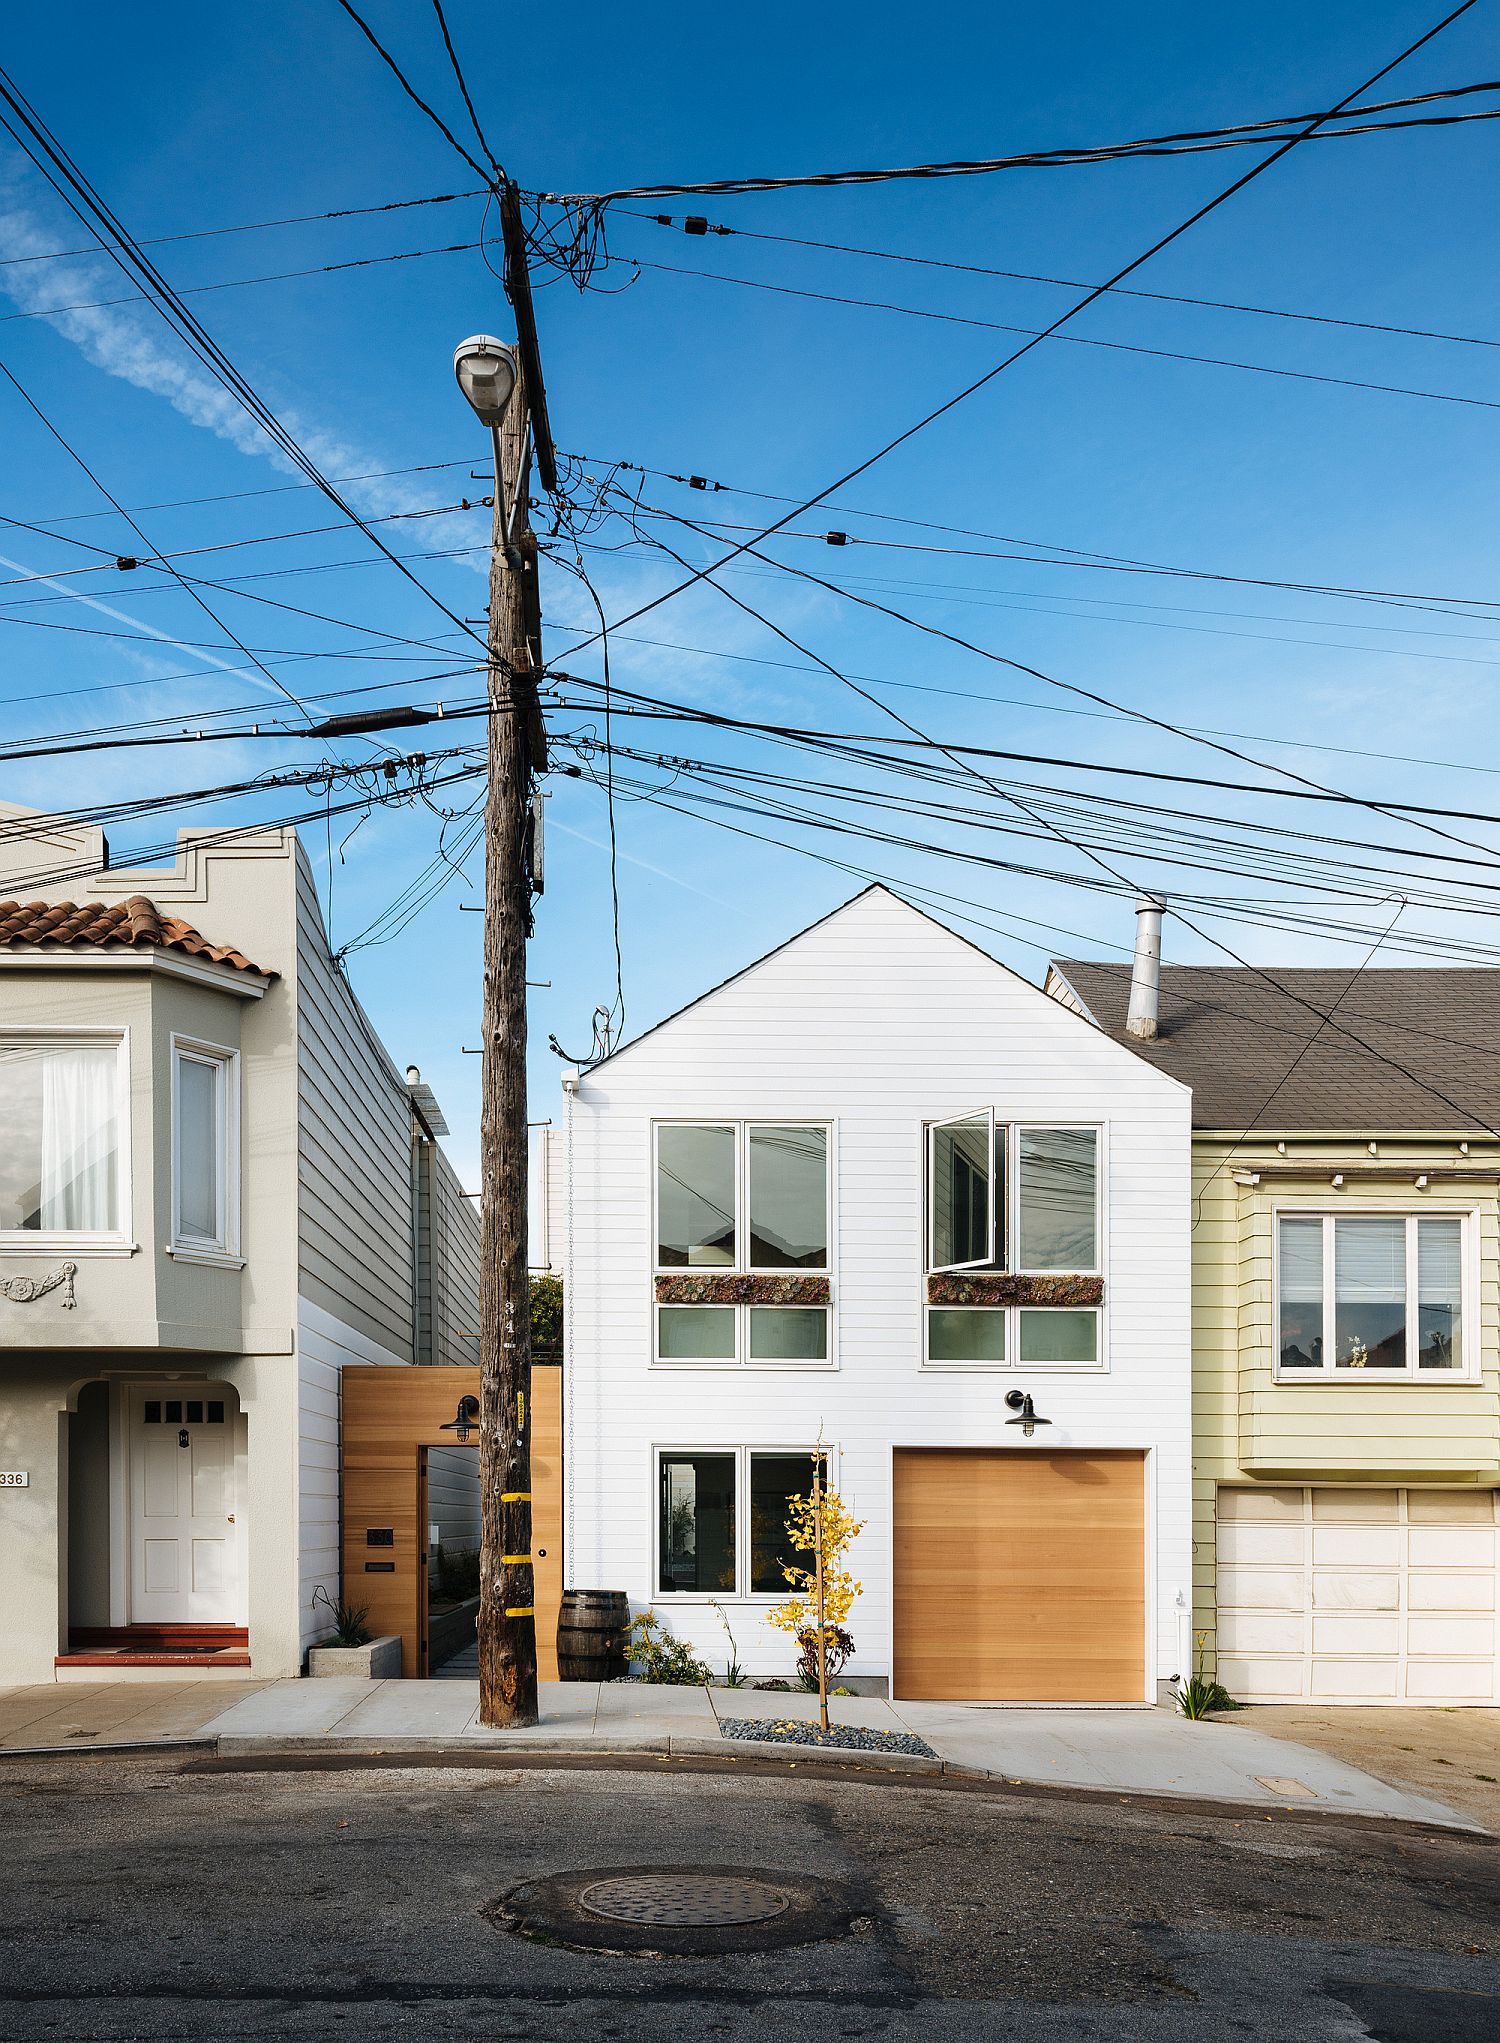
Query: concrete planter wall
[
  {"x": 450, "y": 1631},
  {"x": 377, "y": 1660}
]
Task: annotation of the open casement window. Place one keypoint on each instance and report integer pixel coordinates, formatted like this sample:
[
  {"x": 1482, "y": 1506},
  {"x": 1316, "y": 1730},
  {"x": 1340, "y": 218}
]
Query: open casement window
[
  {"x": 963, "y": 1192},
  {"x": 1378, "y": 1293}
]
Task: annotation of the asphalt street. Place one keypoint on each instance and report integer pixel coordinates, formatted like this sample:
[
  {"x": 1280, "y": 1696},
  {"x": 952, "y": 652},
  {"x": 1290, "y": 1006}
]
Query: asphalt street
[{"x": 167, "y": 1897}]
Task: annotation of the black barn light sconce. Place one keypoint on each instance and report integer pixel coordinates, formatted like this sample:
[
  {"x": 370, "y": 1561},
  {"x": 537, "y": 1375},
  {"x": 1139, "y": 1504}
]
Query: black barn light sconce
[
  {"x": 468, "y": 1412},
  {"x": 1027, "y": 1417}
]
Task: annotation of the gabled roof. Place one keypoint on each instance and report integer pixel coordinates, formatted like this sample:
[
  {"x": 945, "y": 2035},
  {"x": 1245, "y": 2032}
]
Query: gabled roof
[
  {"x": 1240, "y": 1039},
  {"x": 136, "y": 924},
  {"x": 877, "y": 889}
]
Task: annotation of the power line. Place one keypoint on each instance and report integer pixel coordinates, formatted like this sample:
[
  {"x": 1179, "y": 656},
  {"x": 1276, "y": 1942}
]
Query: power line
[
  {"x": 412, "y": 93},
  {"x": 322, "y": 269},
  {"x": 246, "y": 227},
  {"x": 1073, "y": 339},
  {"x": 1070, "y": 312},
  {"x": 57, "y": 167},
  {"x": 1185, "y": 142},
  {"x": 695, "y": 225},
  {"x": 1067, "y": 556}
]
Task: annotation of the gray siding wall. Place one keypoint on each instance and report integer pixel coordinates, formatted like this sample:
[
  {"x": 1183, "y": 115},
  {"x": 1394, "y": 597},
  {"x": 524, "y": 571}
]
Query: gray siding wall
[
  {"x": 355, "y": 1251},
  {"x": 453, "y": 1495}
]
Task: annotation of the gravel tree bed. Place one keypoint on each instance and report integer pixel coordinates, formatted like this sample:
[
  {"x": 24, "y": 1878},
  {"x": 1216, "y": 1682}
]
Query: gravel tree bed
[{"x": 848, "y": 1737}]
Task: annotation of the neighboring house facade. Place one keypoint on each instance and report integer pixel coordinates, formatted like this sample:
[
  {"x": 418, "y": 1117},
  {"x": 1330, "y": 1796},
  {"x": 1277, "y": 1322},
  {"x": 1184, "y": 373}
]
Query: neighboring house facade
[
  {"x": 215, "y": 1191},
  {"x": 866, "y": 1198},
  {"x": 1346, "y": 1323}
]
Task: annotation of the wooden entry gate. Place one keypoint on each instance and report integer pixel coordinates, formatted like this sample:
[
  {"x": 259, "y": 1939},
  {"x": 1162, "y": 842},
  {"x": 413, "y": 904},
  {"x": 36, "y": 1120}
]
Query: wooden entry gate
[{"x": 390, "y": 1419}]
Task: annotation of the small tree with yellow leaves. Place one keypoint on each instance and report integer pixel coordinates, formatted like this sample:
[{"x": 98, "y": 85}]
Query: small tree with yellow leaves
[{"x": 823, "y": 1594}]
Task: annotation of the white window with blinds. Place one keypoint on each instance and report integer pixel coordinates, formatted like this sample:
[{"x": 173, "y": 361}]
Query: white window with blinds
[{"x": 1383, "y": 1294}]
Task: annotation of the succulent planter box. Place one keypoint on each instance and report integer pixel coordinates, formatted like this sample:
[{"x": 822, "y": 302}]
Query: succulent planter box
[{"x": 376, "y": 1660}]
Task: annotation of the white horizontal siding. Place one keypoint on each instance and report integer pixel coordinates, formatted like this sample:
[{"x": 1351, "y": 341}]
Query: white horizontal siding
[
  {"x": 876, "y": 1020},
  {"x": 324, "y": 1346}
]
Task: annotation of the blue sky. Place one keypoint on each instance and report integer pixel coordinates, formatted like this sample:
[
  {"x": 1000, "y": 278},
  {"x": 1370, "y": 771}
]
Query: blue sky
[{"x": 188, "y": 118}]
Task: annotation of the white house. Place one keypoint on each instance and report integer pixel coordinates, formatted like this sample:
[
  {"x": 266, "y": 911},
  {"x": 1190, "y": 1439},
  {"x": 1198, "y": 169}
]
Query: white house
[
  {"x": 216, "y": 1189},
  {"x": 876, "y": 1191}
]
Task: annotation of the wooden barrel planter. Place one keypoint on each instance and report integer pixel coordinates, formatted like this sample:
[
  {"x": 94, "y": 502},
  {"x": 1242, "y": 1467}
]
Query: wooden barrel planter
[{"x": 591, "y": 1635}]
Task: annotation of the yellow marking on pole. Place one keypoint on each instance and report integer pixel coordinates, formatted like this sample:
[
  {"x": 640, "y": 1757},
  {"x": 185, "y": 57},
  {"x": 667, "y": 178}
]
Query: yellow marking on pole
[
  {"x": 521, "y": 1411},
  {"x": 515, "y": 1496},
  {"x": 515, "y": 1560},
  {"x": 526, "y": 1610}
]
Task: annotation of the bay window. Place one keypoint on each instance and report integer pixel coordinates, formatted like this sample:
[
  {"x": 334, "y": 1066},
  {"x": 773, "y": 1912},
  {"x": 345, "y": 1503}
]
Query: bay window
[
  {"x": 722, "y": 1516},
  {"x": 62, "y": 1137},
  {"x": 1374, "y": 1292}
]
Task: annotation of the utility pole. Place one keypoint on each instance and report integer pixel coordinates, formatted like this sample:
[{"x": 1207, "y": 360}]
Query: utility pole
[{"x": 505, "y": 389}]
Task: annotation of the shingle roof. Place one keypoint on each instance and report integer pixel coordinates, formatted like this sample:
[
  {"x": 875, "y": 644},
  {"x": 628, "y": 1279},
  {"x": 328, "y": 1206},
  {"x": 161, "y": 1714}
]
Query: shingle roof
[
  {"x": 96, "y": 925},
  {"x": 1235, "y": 1039}
]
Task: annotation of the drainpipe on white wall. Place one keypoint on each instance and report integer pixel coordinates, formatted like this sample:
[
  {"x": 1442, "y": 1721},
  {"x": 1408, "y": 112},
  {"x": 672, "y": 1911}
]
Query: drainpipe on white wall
[{"x": 1145, "y": 973}]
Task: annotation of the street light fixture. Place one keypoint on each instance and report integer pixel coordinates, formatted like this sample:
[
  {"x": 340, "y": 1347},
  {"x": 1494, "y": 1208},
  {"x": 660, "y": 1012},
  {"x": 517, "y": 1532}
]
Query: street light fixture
[{"x": 486, "y": 372}]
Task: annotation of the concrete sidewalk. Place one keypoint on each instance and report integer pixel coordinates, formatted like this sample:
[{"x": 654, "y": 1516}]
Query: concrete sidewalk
[{"x": 1124, "y": 1751}]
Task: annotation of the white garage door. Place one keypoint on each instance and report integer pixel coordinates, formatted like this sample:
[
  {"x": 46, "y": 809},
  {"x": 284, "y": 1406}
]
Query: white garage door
[{"x": 1338, "y": 1594}]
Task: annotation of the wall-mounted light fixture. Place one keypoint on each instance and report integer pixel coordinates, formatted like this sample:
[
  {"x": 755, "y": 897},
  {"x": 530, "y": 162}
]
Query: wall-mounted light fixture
[
  {"x": 468, "y": 1412},
  {"x": 1027, "y": 1417}
]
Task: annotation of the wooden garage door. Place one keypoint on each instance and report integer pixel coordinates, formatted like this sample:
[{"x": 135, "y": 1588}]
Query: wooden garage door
[{"x": 1019, "y": 1577}]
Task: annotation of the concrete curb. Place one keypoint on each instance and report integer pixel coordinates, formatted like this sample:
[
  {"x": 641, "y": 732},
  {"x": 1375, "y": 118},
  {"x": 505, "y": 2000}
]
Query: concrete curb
[
  {"x": 78, "y": 1748},
  {"x": 485, "y": 1745}
]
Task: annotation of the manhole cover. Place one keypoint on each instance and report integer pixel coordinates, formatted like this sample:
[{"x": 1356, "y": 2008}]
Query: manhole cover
[
  {"x": 681, "y": 1902},
  {"x": 681, "y": 1911}
]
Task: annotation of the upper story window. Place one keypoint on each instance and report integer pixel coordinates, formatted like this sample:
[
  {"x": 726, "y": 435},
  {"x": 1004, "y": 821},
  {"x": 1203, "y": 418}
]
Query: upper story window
[
  {"x": 1051, "y": 1220},
  {"x": 745, "y": 1198},
  {"x": 62, "y": 1136},
  {"x": 741, "y": 1196},
  {"x": 205, "y": 1161},
  {"x": 1372, "y": 1292},
  {"x": 1021, "y": 1199}
]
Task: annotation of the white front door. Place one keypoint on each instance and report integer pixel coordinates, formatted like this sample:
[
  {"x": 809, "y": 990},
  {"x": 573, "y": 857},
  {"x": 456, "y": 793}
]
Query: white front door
[{"x": 184, "y": 1540}]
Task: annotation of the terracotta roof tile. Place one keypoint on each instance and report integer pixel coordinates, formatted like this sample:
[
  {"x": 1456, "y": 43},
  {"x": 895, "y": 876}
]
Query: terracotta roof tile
[{"x": 136, "y": 924}]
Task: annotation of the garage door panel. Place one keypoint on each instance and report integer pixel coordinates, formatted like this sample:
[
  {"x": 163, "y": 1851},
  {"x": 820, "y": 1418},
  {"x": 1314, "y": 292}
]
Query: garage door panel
[
  {"x": 1357, "y": 1507},
  {"x": 1363, "y": 1546},
  {"x": 1395, "y": 1599},
  {"x": 1273, "y": 1680},
  {"x": 1262, "y": 1506},
  {"x": 1245, "y": 1633},
  {"x": 1358, "y": 1680},
  {"x": 1356, "y": 1592},
  {"x": 1440, "y": 1681},
  {"x": 1452, "y": 1546},
  {"x": 1337, "y": 1635},
  {"x": 1260, "y": 1543},
  {"x": 1019, "y": 1577},
  {"x": 1436, "y": 1591},
  {"x": 1451, "y": 1507},
  {"x": 1261, "y": 1588},
  {"x": 1450, "y": 1634}
]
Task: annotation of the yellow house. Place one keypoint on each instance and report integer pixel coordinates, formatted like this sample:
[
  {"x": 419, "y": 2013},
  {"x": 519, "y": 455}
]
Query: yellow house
[{"x": 1346, "y": 1315}]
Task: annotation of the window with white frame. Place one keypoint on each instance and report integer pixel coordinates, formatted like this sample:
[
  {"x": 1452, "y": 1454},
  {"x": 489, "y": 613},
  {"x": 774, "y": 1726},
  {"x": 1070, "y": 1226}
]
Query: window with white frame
[
  {"x": 722, "y": 1515},
  {"x": 1019, "y": 1199},
  {"x": 62, "y": 1136},
  {"x": 205, "y": 1159},
  {"x": 747, "y": 1198},
  {"x": 1375, "y": 1292}
]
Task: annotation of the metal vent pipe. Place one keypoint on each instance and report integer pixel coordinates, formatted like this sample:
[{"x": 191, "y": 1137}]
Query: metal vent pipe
[{"x": 1145, "y": 973}]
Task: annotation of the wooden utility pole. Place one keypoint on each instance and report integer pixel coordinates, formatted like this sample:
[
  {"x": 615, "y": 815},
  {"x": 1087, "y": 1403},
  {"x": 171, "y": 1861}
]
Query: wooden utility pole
[{"x": 507, "y": 1594}]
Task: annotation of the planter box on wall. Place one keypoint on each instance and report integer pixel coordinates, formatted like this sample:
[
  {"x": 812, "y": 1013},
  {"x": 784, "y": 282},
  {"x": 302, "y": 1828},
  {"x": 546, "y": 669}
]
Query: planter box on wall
[
  {"x": 1004, "y": 1287},
  {"x": 378, "y": 1660},
  {"x": 721, "y": 1287}
]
